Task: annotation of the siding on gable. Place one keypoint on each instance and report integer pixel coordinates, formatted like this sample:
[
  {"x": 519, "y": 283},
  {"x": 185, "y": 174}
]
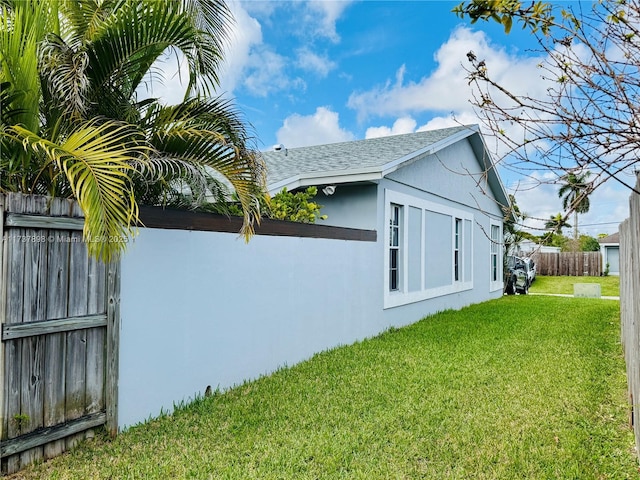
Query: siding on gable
[{"x": 453, "y": 173}]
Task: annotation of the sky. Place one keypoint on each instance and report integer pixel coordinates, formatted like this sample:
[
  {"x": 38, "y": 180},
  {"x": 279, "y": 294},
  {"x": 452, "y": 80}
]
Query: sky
[{"x": 308, "y": 73}]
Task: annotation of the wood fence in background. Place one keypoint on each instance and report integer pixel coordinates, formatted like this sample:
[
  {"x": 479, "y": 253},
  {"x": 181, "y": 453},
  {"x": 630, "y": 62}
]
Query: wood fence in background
[
  {"x": 59, "y": 313},
  {"x": 576, "y": 264},
  {"x": 630, "y": 306}
]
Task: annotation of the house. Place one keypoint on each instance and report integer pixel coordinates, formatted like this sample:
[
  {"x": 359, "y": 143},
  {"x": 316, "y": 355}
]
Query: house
[
  {"x": 434, "y": 197},
  {"x": 415, "y": 224},
  {"x": 527, "y": 248},
  {"x": 610, "y": 250}
]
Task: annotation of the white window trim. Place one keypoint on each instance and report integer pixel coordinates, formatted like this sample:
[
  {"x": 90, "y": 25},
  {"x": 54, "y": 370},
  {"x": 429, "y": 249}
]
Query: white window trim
[
  {"x": 401, "y": 248},
  {"x": 499, "y": 284},
  {"x": 402, "y": 296}
]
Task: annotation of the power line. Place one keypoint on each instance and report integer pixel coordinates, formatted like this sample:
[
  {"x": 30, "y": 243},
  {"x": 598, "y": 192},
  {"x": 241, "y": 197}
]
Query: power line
[{"x": 603, "y": 223}]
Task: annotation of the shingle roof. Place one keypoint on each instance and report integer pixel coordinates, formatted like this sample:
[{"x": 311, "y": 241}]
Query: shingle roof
[
  {"x": 613, "y": 238},
  {"x": 370, "y": 155}
]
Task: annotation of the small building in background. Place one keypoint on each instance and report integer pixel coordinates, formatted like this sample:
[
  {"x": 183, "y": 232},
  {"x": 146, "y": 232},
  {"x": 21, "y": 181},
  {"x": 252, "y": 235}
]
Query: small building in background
[
  {"x": 610, "y": 250},
  {"x": 526, "y": 248}
]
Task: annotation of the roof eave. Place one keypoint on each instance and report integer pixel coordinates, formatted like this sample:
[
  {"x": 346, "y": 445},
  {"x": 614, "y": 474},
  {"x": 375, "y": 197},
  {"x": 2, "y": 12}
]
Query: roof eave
[
  {"x": 493, "y": 179},
  {"x": 326, "y": 178}
]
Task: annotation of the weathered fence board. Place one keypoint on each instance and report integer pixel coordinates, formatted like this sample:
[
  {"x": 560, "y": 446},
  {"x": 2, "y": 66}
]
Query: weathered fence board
[
  {"x": 630, "y": 306},
  {"x": 568, "y": 263},
  {"x": 55, "y": 334}
]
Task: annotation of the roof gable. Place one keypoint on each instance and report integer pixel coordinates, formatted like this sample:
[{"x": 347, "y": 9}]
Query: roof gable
[
  {"x": 356, "y": 156},
  {"x": 614, "y": 238},
  {"x": 370, "y": 159}
]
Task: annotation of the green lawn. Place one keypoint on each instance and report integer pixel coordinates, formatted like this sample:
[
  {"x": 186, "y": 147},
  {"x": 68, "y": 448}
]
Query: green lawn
[
  {"x": 526, "y": 387},
  {"x": 609, "y": 286}
]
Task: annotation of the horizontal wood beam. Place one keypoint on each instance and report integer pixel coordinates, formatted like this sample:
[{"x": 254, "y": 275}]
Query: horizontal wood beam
[
  {"x": 21, "y": 220},
  {"x": 11, "y": 331},
  {"x": 174, "y": 219},
  {"x": 45, "y": 435}
]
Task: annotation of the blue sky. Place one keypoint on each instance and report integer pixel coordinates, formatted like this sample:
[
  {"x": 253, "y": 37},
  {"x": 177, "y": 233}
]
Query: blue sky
[{"x": 306, "y": 73}]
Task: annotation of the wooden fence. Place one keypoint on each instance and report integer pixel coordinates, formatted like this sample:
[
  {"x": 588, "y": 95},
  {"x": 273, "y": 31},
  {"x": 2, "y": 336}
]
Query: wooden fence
[
  {"x": 577, "y": 264},
  {"x": 59, "y": 312},
  {"x": 630, "y": 306}
]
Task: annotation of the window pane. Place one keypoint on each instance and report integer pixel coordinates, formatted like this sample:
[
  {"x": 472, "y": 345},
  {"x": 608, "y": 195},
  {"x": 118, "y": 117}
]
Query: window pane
[
  {"x": 395, "y": 214},
  {"x": 393, "y": 269},
  {"x": 438, "y": 248},
  {"x": 456, "y": 266},
  {"x": 494, "y": 261}
]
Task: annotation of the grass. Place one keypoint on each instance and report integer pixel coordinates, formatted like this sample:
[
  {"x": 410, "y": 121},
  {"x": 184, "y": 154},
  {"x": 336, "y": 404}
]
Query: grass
[
  {"x": 526, "y": 387},
  {"x": 610, "y": 285}
]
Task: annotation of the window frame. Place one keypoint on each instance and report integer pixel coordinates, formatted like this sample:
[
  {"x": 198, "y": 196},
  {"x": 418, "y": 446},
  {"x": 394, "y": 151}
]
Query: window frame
[
  {"x": 458, "y": 240},
  {"x": 394, "y": 247},
  {"x": 402, "y": 295},
  {"x": 496, "y": 254}
]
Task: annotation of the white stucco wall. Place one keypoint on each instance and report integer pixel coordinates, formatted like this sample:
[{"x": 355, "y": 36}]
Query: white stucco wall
[
  {"x": 352, "y": 206},
  {"x": 204, "y": 308}
]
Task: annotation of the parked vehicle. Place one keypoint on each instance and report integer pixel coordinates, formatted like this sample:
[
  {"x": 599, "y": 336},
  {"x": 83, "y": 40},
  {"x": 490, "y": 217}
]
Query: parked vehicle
[
  {"x": 516, "y": 279},
  {"x": 530, "y": 267}
]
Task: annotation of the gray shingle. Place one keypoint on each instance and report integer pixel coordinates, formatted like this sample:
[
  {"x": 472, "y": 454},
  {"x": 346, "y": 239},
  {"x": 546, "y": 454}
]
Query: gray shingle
[{"x": 360, "y": 154}]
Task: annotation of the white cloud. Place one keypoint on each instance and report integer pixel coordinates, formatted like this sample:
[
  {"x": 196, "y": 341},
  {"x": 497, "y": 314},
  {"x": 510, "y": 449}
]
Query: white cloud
[
  {"x": 312, "y": 62},
  {"x": 400, "y": 126},
  {"x": 609, "y": 207},
  {"x": 245, "y": 36},
  {"x": 407, "y": 124},
  {"x": 317, "y": 129},
  {"x": 447, "y": 89},
  {"x": 322, "y": 16},
  {"x": 265, "y": 73},
  {"x": 171, "y": 73},
  {"x": 537, "y": 196},
  {"x": 168, "y": 79},
  {"x": 464, "y": 118},
  {"x": 250, "y": 63}
]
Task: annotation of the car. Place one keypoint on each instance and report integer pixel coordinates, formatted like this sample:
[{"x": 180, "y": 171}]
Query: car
[
  {"x": 516, "y": 279},
  {"x": 530, "y": 269}
]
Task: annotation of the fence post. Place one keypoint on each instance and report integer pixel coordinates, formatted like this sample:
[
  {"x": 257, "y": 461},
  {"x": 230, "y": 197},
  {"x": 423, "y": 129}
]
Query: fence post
[
  {"x": 3, "y": 284},
  {"x": 113, "y": 341}
]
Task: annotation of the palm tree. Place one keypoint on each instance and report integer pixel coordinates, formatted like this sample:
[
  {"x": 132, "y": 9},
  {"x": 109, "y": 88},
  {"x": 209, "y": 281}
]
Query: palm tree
[
  {"x": 556, "y": 223},
  {"x": 71, "y": 125},
  {"x": 575, "y": 195}
]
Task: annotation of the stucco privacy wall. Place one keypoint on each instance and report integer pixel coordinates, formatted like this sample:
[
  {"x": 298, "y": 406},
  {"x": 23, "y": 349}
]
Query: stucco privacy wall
[{"x": 204, "y": 308}]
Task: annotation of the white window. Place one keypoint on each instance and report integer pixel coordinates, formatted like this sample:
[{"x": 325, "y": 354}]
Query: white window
[
  {"x": 456, "y": 251},
  {"x": 428, "y": 249},
  {"x": 495, "y": 267},
  {"x": 394, "y": 247}
]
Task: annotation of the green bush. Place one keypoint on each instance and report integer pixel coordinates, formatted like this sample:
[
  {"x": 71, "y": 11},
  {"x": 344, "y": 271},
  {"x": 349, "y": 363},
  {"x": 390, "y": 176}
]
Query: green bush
[
  {"x": 295, "y": 207},
  {"x": 284, "y": 205}
]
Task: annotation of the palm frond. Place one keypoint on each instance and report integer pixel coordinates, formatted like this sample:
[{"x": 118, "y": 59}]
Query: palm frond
[
  {"x": 126, "y": 44},
  {"x": 211, "y": 135},
  {"x": 96, "y": 159},
  {"x": 82, "y": 19},
  {"x": 163, "y": 178},
  {"x": 64, "y": 71},
  {"x": 21, "y": 28}
]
